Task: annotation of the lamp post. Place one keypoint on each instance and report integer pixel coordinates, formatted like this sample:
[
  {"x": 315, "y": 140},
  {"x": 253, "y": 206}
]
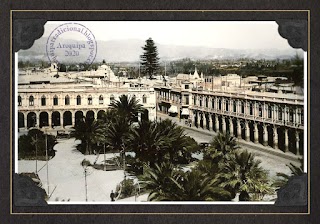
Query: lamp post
[
  {"x": 85, "y": 163},
  {"x": 46, "y": 139},
  {"x": 124, "y": 160}
]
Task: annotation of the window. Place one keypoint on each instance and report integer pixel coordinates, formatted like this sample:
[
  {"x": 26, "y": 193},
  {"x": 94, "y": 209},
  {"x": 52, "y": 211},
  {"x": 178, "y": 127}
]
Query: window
[
  {"x": 194, "y": 101},
  {"x": 144, "y": 99},
  {"x": 31, "y": 101},
  {"x": 100, "y": 99},
  {"x": 280, "y": 113},
  {"x": 112, "y": 98},
  {"x": 186, "y": 86},
  {"x": 90, "y": 100},
  {"x": 19, "y": 101},
  {"x": 234, "y": 106},
  {"x": 207, "y": 104},
  {"x": 291, "y": 115},
  {"x": 220, "y": 104},
  {"x": 67, "y": 100},
  {"x": 260, "y": 110},
  {"x": 242, "y": 107},
  {"x": 78, "y": 100},
  {"x": 227, "y": 105},
  {"x": 43, "y": 101},
  {"x": 187, "y": 99},
  {"x": 55, "y": 100},
  {"x": 212, "y": 103},
  {"x": 269, "y": 111},
  {"x": 200, "y": 101},
  {"x": 251, "y": 109}
]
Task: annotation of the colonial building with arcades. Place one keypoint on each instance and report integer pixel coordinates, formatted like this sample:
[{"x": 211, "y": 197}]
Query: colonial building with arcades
[
  {"x": 59, "y": 101},
  {"x": 272, "y": 119}
]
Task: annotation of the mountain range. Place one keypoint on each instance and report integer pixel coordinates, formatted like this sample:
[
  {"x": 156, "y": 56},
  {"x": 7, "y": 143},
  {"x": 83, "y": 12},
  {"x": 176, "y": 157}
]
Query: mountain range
[{"x": 130, "y": 50}]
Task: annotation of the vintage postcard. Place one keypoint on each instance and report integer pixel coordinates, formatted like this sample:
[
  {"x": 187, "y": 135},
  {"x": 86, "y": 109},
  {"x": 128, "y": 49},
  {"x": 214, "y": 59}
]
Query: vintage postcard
[{"x": 162, "y": 112}]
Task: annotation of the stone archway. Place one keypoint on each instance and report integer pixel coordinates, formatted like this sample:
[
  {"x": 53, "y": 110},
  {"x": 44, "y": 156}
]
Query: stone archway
[
  {"x": 56, "y": 118},
  {"x": 270, "y": 136},
  {"x": 43, "y": 119},
  {"x": 31, "y": 119},
  {"x": 100, "y": 114},
  {"x": 67, "y": 118},
  {"x": 145, "y": 115},
  {"x": 90, "y": 116},
  {"x": 78, "y": 117},
  {"x": 20, "y": 120}
]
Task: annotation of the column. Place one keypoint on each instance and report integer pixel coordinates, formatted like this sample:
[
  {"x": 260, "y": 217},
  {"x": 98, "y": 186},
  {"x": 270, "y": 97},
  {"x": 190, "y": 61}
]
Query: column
[
  {"x": 25, "y": 121},
  {"x": 297, "y": 143},
  {"x": 239, "y": 129},
  {"x": 223, "y": 125},
  {"x": 286, "y": 140},
  {"x": 210, "y": 121},
  {"x": 265, "y": 135},
  {"x": 247, "y": 133},
  {"x": 38, "y": 120},
  {"x": 50, "y": 118},
  {"x": 255, "y": 133},
  {"x": 197, "y": 119},
  {"x": 73, "y": 118},
  {"x": 216, "y": 124},
  {"x": 231, "y": 127},
  {"x": 204, "y": 121},
  {"x": 62, "y": 120},
  {"x": 275, "y": 138}
]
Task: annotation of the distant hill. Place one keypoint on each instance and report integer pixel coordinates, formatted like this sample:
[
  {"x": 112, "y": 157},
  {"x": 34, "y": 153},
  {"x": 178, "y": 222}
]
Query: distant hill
[{"x": 130, "y": 50}]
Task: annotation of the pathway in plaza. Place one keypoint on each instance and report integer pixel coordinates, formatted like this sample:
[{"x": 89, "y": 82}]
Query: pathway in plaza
[{"x": 66, "y": 175}]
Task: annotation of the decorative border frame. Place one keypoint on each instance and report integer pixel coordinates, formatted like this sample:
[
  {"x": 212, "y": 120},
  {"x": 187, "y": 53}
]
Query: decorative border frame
[{"x": 167, "y": 213}]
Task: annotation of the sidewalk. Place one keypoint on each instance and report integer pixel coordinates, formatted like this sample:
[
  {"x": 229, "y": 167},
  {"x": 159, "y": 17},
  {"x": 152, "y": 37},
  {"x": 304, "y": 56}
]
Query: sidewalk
[{"x": 257, "y": 148}]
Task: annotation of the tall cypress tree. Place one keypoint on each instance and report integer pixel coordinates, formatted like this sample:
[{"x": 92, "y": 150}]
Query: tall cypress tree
[{"x": 149, "y": 58}]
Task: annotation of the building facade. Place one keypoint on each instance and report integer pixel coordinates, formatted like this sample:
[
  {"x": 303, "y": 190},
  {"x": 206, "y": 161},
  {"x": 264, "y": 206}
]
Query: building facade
[
  {"x": 270, "y": 119},
  {"x": 55, "y": 103}
]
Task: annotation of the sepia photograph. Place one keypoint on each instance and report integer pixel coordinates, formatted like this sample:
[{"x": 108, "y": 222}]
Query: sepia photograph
[{"x": 161, "y": 112}]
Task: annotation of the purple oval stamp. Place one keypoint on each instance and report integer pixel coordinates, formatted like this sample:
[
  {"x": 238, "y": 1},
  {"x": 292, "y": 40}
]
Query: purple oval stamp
[{"x": 80, "y": 48}]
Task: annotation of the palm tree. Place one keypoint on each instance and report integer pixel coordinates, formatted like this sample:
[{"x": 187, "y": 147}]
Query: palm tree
[
  {"x": 224, "y": 143},
  {"x": 243, "y": 174},
  {"x": 222, "y": 147},
  {"x": 117, "y": 132},
  {"x": 160, "y": 181},
  {"x": 284, "y": 178},
  {"x": 155, "y": 142},
  {"x": 89, "y": 132},
  {"x": 167, "y": 183},
  {"x": 146, "y": 141},
  {"x": 127, "y": 107},
  {"x": 193, "y": 186}
]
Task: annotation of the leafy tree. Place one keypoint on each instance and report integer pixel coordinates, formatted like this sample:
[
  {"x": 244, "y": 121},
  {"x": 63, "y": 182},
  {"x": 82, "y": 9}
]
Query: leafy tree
[
  {"x": 35, "y": 138},
  {"x": 149, "y": 58},
  {"x": 62, "y": 68}
]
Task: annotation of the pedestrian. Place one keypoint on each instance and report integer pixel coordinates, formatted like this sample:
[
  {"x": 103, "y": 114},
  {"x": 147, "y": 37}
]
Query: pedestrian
[{"x": 112, "y": 196}]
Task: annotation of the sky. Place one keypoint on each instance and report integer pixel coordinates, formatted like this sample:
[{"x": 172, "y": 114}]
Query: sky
[{"x": 215, "y": 34}]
